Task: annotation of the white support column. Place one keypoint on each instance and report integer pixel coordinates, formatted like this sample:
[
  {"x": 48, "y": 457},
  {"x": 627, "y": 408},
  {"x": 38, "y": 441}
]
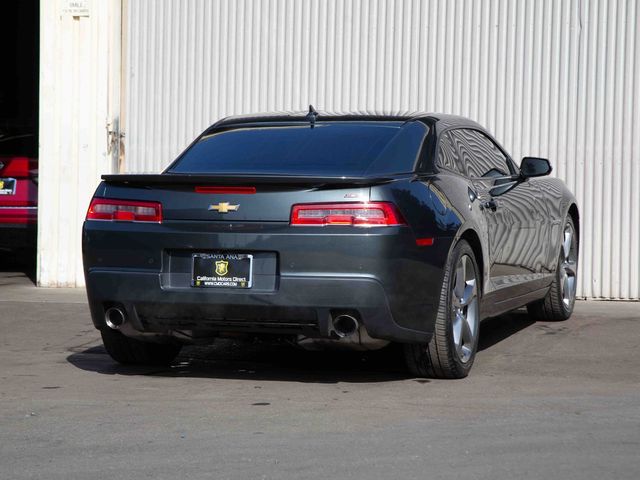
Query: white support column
[{"x": 78, "y": 50}]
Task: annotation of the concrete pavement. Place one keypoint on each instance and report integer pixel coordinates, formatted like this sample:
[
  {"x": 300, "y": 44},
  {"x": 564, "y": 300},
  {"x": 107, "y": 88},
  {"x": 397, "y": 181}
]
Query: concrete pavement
[{"x": 544, "y": 400}]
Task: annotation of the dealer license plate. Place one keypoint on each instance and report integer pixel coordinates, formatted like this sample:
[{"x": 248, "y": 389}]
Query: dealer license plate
[
  {"x": 7, "y": 186},
  {"x": 222, "y": 270}
]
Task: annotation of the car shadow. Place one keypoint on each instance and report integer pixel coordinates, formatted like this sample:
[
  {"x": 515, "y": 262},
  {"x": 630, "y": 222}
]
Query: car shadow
[
  {"x": 278, "y": 361},
  {"x": 495, "y": 330},
  {"x": 260, "y": 360}
]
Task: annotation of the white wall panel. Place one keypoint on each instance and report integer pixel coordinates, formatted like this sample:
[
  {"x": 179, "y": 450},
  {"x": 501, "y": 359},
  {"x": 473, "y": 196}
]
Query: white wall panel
[
  {"x": 79, "y": 72},
  {"x": 555, "y": 78}
]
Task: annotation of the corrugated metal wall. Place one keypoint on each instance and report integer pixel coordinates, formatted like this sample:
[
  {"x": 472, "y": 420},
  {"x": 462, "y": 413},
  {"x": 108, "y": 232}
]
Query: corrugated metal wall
[{"x": 555, "y": 78}]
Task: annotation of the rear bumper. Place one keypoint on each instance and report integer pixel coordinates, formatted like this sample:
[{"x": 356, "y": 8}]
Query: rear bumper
[
  {"x": 301, "y": 275},
  {"x": 300, "y": 305}
]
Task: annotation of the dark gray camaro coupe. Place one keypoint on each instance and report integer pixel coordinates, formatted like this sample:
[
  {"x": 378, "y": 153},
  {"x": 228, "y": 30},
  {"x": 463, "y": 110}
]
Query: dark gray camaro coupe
[{"x": 345, "y": 230}]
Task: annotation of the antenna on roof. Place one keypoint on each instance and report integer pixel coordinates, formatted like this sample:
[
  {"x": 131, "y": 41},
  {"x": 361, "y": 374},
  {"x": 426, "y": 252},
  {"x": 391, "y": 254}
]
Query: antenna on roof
[{"x": 312, "y": 115}]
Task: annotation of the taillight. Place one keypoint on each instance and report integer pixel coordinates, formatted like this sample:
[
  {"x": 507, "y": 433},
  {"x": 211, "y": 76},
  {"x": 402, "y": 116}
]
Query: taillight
[
  {"x": 124, "y": 210},
  {"x": 16, "y": 167},
  {"x": 373, "y": 214}
]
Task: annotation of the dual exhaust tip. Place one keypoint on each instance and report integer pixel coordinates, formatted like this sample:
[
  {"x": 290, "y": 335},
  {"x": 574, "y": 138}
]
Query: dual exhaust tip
[{"x": 114, "y": 317}]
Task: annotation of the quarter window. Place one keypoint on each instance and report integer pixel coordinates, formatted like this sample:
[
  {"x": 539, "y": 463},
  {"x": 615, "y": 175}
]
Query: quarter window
[
  {"x": 482, "y": 156},
  {"x": 449, "y": 155}
]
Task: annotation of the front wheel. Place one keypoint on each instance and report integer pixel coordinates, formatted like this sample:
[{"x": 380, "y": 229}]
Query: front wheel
[
  {"x": 559, "y": 302},
  {"x": 452, "y": 349}
]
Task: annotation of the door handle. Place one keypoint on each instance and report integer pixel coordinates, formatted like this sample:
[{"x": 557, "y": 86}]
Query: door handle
[{"x": 489, "y": 205}]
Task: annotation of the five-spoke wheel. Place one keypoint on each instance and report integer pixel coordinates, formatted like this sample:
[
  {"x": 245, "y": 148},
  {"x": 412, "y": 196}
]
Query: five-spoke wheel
[
  {"x": 451, "y": 351},
  {"x": 558, "y": 304},
  {"x": 464, "y": 300},
  {"x": 568, "y": 266}
]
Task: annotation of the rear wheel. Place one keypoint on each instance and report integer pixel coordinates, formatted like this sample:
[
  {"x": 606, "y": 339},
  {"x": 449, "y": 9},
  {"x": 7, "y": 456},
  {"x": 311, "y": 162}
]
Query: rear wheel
[
  {"x": 130, "y": 351},
  {"x": 452, "y": 349},
  {"x": 559, "y": 302}
]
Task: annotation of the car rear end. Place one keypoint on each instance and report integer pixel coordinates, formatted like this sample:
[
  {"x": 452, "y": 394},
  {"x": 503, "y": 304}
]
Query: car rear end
[
  {"x": 18, "y": 201},
  {"x": 258, "y": 245}
]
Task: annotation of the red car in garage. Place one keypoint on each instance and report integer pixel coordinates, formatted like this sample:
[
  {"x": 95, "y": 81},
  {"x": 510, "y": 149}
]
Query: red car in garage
[{"x": 18, "y": 201}]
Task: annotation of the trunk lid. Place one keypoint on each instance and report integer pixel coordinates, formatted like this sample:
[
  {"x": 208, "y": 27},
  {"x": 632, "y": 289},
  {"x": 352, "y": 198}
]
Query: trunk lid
[{"x": 252, "y": 199}]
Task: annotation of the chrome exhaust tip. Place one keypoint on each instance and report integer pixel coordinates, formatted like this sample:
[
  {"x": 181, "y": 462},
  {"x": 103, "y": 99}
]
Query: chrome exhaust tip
[
  {"x": 345, "y": 325},
  {"x": 114, "y": 317}
]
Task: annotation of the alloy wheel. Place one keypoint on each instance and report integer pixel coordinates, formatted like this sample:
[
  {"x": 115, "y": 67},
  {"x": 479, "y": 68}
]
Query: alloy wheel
[
  {"x": 568, "y": 261},
  {"x": 464, "y": 297}
]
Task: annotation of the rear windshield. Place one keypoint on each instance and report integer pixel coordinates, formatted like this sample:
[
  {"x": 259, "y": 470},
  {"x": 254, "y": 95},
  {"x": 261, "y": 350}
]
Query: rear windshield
[{"x": 329, "y": 149}]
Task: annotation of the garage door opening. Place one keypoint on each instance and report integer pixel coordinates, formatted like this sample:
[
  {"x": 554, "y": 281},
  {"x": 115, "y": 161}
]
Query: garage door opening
[{"x": 19, "y": 63}]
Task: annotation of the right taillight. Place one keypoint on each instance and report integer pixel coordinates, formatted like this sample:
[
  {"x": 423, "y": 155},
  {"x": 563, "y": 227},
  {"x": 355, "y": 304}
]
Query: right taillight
[
  {"x": 124, "y": 210},
  {"x": 372, "y": 214}
]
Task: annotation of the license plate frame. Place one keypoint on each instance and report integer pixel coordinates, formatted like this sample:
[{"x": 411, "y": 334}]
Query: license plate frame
[{"x": 222, "y": 270}]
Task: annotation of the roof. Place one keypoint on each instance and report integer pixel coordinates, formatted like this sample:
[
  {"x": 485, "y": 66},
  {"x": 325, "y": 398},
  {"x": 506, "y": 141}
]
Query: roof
[{"x": 443, "y": 120}]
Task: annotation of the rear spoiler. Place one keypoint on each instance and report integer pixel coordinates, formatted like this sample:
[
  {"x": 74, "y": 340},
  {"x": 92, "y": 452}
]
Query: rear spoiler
[{"x": 143, "y": 179}]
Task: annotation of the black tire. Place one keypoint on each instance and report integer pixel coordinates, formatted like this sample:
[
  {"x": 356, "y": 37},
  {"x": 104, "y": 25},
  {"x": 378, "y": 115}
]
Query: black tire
[
  {"x": 553, "y": 306},
  {"x": 439, "y": 358},
  {"x": 129, "y": 351}
]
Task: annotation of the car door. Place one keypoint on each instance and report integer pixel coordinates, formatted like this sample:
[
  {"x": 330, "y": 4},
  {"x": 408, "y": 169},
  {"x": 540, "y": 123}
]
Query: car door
[{"x": 513, "y": 210}]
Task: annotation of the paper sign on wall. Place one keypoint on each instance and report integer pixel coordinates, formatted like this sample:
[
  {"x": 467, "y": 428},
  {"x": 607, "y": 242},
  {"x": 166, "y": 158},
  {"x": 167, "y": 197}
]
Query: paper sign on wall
[{"x": 76, "y": 8}]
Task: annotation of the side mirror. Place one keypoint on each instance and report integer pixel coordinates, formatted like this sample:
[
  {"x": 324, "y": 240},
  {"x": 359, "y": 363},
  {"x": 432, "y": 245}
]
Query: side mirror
[{"x": 534, "y": 167}]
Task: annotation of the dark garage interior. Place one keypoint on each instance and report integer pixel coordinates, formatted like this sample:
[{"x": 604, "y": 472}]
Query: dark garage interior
[{"x": 19, "y": 37}]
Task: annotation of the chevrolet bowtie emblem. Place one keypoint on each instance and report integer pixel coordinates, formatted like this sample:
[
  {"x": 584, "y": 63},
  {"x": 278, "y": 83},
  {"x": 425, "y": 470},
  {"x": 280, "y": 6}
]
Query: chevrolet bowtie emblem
[{"x": 224, "y": 207}]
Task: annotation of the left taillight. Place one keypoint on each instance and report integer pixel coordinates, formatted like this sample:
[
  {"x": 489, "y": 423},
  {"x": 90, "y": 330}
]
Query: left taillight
[
  {"x": 372, "y": 214},
  {"x": 124, "y": 210},
  {"x": 18, "y": 167}
]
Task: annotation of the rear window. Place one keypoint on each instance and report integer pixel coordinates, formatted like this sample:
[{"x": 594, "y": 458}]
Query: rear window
[{"x": 328, "y": 149}]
